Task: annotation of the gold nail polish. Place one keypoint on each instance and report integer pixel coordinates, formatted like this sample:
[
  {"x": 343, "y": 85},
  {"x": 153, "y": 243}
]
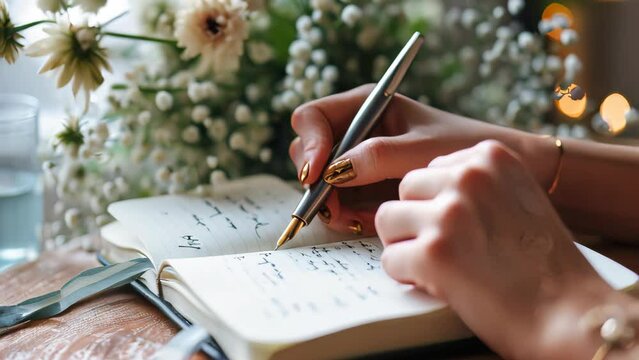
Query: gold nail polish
[
  {"x": 340, "y": 172},
  {"x": 324, "y": 214},
  {"x": 355, "y": 227},
  {"x": 304, "y": 172}
]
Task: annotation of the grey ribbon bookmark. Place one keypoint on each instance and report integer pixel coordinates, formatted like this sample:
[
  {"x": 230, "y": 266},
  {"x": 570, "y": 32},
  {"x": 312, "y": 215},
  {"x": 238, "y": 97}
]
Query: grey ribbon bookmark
[
  {"x": 183, "y": 345},
  {"x": 82, "y": 286}
]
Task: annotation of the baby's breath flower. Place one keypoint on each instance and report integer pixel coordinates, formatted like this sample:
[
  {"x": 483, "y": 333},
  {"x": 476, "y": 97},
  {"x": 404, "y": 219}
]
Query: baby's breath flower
[
  {"x": 76, "y": 50},
  {"x": 191, "y": 134},
  {"x": 164, "y": 100},
  {"x": 212, "y": 161},
  {"x": 72, "y": 218},
  {"x": 260, "y": 52},
  {"x": 243, "y": 114},
  {"x": 9, "y": 38},
  {"x": 217, "y": 177},
  {"x": 50, "y": 5},
  {"x": 215, "y": 30},
  {"x": 90, "y": 5},
  {"x": 199, "y": 113},
  {"x": 351, "y": 14}
]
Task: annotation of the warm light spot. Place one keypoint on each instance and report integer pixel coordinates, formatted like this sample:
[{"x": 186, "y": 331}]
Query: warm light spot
[
  {"x": 613, "y": 111},
  {"x": 568, "y": 106},
  {"x": 554, "y": 9}
]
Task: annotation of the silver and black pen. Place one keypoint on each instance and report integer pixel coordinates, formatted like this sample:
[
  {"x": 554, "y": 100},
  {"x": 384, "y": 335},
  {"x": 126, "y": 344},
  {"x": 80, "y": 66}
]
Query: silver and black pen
[{"x": 361, "y": 126}]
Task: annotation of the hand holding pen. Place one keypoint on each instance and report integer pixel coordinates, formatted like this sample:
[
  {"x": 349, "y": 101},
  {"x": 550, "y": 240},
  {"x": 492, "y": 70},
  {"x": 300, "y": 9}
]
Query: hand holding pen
[{"x": 360, "y": 128}]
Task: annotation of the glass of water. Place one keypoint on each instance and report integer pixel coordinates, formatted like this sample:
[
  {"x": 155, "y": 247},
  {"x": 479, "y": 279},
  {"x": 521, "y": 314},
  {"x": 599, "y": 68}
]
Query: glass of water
[{"x": 21, "y": 201}]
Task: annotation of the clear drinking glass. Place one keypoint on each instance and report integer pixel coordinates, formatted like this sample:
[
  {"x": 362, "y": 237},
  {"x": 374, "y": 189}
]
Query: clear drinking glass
[{"x": 21, "y": 200}]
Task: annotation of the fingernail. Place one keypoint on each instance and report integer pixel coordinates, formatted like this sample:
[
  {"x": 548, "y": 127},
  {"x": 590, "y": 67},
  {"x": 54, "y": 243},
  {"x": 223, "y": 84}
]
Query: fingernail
[
  {"x": 324, "y": 214},
  {"x": 340, "y": 172},
  {"x": 304, "y": 173},
  {"x": 355, "y": 227}
]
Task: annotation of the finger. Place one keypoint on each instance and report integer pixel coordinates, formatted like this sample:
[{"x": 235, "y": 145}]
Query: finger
[
  {"x": 403, "y": 261},
  {"x": 372, "y": 161},
  {"x": 401, "y": 220},
  {"x": 453, "y": 159},
  {"x": 321, "y": 122},
  {"x": 296, "y": 152},
  {"x": 424, "y": 184},
  {"x": 345, "y": 219}
]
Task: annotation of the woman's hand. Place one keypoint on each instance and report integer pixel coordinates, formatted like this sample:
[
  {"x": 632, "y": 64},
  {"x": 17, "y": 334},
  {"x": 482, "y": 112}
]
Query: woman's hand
[
  {"x": 409, "y": 136},
  {"x": 475, "y": 229}
]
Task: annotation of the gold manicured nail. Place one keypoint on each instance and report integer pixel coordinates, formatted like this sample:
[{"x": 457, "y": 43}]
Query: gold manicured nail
[
  {"x": 304, "y": 172},
  {"x": 355, "y": 227},
  {"x": 340, "y": 172},
  {"x": 324, "y": 214}
]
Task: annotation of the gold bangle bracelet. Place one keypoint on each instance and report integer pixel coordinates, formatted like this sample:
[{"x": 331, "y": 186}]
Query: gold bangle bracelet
[{"x": 555, "y": 182}]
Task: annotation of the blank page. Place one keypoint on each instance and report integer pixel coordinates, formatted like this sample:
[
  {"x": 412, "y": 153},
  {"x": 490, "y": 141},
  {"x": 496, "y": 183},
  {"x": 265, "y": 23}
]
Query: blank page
[{"x": 244, "y": 215}]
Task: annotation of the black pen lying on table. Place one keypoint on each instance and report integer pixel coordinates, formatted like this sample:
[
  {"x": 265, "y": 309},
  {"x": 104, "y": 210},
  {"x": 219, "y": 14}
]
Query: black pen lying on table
[{"x": 361, "y": 126}]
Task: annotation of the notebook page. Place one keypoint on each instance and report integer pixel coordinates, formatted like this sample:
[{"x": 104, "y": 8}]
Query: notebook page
[
  {"x": 245, "y": 215},
  {"x": 297, "y": 294}
]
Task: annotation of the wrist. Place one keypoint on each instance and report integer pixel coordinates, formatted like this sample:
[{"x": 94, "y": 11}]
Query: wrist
[
  {"x": 564, "y": 332},
  {"x": 540, "y": 155}
]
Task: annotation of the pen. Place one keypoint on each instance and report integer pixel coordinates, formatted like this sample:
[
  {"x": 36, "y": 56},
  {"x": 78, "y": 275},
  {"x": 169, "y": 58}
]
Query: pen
[{"x": 363, "y": 122}]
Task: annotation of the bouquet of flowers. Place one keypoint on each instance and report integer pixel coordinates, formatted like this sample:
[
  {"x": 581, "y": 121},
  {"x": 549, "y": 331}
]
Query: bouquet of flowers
[{"x": 211, "y": 99}]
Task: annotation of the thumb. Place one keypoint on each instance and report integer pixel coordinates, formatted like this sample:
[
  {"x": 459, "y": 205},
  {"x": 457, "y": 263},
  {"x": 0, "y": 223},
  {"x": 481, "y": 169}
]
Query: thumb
[{"x": 372, "y": 161}]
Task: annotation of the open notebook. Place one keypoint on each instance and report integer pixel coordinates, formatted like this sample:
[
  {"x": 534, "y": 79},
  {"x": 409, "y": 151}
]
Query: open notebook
[{"x": 324, "y": 295}]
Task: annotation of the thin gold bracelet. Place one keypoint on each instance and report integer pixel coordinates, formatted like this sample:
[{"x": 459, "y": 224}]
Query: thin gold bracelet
[{"x": 555, "y": 182}]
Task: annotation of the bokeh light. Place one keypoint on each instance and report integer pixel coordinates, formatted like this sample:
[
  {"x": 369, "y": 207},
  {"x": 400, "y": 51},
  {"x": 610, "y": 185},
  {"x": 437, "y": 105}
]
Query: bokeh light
[
  {"x": 557, "y": 9},
  {"x": 613, "y": 111},
  {"x": 569, "y": 106}
]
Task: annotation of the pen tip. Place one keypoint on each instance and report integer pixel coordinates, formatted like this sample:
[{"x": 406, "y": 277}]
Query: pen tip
[{"x": 291, "y": 230}]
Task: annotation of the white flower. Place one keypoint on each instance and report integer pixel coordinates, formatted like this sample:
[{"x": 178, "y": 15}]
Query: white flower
[
  {"x": 266, "y": 155},
  {"x": 253, "y": 92},
  {"x": 110, "y": 191},
  {"x": 50, "y": 5},
  {"x": 515, "y": 6},
  {"x": 215, "y": 30},
  {"x": 163, "y": 174},
  {"x": 199, "y": 113},
  {"x": 260, "y": 52},
  {"x": 322, "y": 89},
  {"x": 9, "y": 39},
  {"x": 164, "y": 100},
  {"x": 303, "y": 24},
  {"x": 144, "y": 117},
  {"x": 483, "y": 29},
  {"x": 304, "y": 87},
  {"x": 243, "y": 114},
  {"x": 212, "y": 161},
  {"x": 217, "y": 177},
  {"x": 526, "y": 40},
  {"x": 72, "y": 218},
  {"x": 158, "y": 156},
  {"x": 121, "y": 185},
  {"x": 330, "y": 73},
  {"x": 290, "y": 99},
  {"x": 469, "y": 17},
  {"x": 319, "y": 57},
  {"x": 314, "y": 36},
  {"x": 323, "y": 5},
  {"x": 191, "y": 134},
  {"x": 295, "y": 68},
  {"x": 300, "y": 50},
  {"x": 499, "y": 12},
  {"x": 262, "y": 118},
  {"x": 237, "y": 141},
  {"x": 90, "y": 5},
  {"x": 312, "y": 73},
  {"x": 77, "y": 52},
  {"x": 351, "y": 14},
  {"x": 218, "y": 129}
]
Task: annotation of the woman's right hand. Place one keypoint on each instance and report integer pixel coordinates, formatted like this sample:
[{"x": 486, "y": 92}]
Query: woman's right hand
[{"x": 408, "y": 137}]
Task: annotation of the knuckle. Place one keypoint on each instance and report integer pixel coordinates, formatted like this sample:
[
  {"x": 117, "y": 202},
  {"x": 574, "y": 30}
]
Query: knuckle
[
  {"x": 495, "y": 152},
  {"x": 453, "y": 210},
  {"x": 377, "y": 150},
  {"x": 435, "y": 247},
  {"x": 474, "y": 178},
  {"x": 409, "y": 184}
]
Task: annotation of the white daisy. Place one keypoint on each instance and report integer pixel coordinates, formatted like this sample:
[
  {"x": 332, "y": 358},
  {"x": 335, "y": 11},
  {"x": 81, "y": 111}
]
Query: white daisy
[
  {"x": 76, "y": 51},
  {"x": 215, "y": 30},
  {"x": 9, "y": 39}
]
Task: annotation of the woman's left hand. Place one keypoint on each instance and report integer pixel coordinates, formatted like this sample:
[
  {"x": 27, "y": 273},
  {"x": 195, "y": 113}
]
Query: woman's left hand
[{"x": 475, "y": 229}]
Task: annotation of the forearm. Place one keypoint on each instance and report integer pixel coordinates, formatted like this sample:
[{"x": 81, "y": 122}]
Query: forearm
[{"x": 598, "y": 188}]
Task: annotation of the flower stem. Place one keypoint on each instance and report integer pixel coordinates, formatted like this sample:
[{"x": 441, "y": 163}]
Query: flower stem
[
  {"x": 146, "y": 89},
  {"x": 31, "y": 24},
  {"x": 115, "y": 18},
  {"x": 141, "y": 38}
]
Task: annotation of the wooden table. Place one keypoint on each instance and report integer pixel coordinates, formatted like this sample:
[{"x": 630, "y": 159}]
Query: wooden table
[{"x": 119, "y": 324}]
